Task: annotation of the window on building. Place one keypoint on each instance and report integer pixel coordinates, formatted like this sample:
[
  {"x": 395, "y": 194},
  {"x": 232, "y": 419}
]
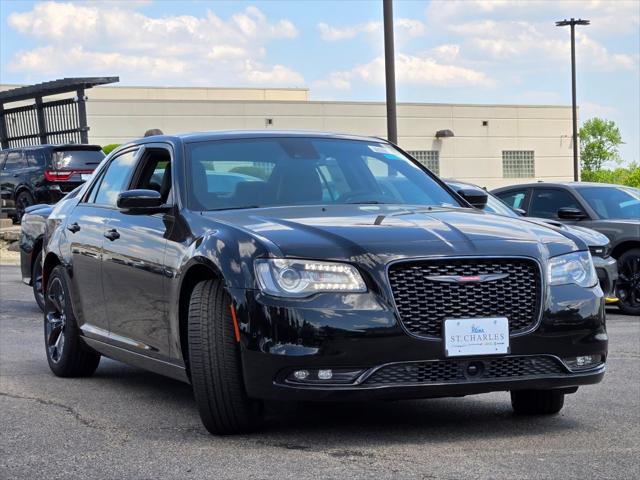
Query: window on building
[
  {"x": 518, "y": 164},
  {"x": 428, "y": 158}
]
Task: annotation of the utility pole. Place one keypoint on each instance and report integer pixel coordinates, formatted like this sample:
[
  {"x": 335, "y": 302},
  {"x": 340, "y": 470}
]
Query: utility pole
[
  {"x": 390, "y": 72},
  {"x": 572, "y": 23}
]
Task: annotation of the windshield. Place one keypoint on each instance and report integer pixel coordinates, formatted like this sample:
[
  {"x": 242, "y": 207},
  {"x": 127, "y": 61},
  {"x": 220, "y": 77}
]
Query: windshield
[
  {"x": 614, "y": 202},
  {"x": 250, "y": 173}
]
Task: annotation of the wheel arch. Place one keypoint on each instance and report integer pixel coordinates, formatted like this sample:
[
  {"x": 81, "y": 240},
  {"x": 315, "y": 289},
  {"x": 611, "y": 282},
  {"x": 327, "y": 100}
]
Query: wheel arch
[
  {"x": 51, "y": 261},
  {"x": 199, "y": 270},
  {"x": 623, "y": 246}
]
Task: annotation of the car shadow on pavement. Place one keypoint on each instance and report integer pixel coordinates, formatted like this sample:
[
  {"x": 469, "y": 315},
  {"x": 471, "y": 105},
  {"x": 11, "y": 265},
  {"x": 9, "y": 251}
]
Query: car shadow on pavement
[{"x": 342, "y": 426}]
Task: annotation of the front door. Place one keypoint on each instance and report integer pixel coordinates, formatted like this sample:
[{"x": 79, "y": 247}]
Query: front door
[
  {"x": 133, "y": 267},
  {"x": 86, "y": 228}
]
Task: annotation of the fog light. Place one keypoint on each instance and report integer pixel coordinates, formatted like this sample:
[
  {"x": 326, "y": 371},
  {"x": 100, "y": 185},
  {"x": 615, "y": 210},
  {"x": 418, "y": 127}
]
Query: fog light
[
  {"x": 301, "y": 374},
  {"x": 325, "y": 374},
  {"x": 583, "y": 361}
]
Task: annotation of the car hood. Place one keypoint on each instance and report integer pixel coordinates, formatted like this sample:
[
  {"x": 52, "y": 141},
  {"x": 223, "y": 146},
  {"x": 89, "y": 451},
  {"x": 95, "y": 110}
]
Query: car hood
[
  {"x": 391, "y": 232},
  {"x": 587, "y": 235}
]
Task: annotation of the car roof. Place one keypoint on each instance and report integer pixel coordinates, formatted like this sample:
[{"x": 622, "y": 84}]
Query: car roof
[
  {"x": 557, "y": 184},
  {"x": 246, "y": 134},
  {"x": 56, "y": 146}
]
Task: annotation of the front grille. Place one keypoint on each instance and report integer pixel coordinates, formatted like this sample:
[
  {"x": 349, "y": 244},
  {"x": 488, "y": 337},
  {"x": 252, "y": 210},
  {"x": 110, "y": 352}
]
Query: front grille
[
  {"x": 454, "y": 371},
  {"x": 423, "y": 304}
]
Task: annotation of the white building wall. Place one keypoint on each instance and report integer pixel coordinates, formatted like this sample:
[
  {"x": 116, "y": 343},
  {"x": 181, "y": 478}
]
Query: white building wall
[{"x": 121, "y": 114}]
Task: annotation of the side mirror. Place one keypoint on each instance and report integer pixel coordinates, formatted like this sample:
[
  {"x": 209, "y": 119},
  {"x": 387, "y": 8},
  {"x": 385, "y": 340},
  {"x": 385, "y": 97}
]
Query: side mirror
[
  {"x": 139, "y": 200},
  {"x": 475, "y": 196},
  {"x": 570, "y": 213}
]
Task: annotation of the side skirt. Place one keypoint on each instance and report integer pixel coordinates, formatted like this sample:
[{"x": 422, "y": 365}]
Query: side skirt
[{"x": 137, "y": 360}]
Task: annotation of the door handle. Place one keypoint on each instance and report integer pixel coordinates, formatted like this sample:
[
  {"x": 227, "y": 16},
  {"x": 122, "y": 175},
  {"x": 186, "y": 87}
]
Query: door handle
[
  {"x": 112, "y": 234},
  {"x": 74, "y": 227}
]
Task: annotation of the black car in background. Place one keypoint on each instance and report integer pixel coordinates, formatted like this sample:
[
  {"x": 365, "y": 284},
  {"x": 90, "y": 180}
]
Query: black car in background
[
  {"x": 289, "y": 266},
  {"x": 32, "y": 230},
  {"x": 43, "y": 174},
  {"x": 599, "y": 245},
  {"x": 612, "y": 210}
]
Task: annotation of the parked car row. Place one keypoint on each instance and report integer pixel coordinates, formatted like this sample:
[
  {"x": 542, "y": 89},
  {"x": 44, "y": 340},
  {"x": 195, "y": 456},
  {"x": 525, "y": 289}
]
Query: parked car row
[
  {"x": 612, "y": 210},
  {"x": 599, "y": 244}
]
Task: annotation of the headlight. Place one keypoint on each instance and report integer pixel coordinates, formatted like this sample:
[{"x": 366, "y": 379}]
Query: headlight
[
  {"x": 575, "y": 268},
  {"x": 302, "y": 278}
]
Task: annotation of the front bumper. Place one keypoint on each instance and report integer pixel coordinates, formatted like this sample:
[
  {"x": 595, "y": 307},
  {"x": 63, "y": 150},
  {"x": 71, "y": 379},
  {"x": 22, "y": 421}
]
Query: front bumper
[
  {"x": 361, "y": 332},
  {"x": 607, "y": 270}
]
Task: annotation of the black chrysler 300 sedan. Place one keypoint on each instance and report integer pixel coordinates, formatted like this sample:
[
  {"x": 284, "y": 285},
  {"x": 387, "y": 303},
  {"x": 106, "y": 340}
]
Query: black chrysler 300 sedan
[{"x": 303, "y": 266}]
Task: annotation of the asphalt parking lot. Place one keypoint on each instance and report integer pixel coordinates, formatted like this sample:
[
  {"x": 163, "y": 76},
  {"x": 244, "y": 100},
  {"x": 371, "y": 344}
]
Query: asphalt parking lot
[{"x": 127, "y": 423}]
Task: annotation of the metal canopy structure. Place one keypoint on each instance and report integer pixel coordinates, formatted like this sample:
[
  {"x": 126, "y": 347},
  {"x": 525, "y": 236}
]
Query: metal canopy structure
[{"x": 38, "y": 121}]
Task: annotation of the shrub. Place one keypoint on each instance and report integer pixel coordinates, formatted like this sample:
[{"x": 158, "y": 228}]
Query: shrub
[
  {"x": 629, "y": 176},
  {"x": 107, "y": 149}
]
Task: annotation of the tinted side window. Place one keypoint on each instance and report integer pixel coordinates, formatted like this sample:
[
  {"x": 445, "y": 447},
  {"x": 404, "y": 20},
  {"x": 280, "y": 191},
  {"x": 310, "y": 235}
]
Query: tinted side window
[
  {"x": 115, "y": 179},
  {"x": 35, "y": 158},
  {"x": 15, "y": 161},
  {"x": 513, "y": 198},
  {"x": 546, "y": 202}
]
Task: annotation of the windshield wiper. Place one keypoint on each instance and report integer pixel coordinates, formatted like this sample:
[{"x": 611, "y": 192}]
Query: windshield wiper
[{"x": 366, "y": 202}]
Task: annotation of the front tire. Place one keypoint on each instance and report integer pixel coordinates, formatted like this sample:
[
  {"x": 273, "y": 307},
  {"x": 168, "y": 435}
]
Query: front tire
[
  {"x": 537, "y": 402},
  {"x": 66, "y": 354},
  {"x": 628, "y": 284},
  {"x": 215, "y": 366}
]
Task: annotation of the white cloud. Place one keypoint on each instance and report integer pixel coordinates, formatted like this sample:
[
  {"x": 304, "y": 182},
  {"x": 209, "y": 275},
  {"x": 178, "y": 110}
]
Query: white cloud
[
  {"x": 276, "y": 75},
  {"x": 520, "y": 41},
  {"x": 115, "y": 38},
  {"x": 404, "y": 27},
  {"x": 410, "y": 69}
]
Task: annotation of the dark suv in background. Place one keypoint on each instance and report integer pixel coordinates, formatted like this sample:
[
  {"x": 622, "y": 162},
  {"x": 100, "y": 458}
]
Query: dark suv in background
[
  {"x": 613, "y": 210},
  {"x": 43, "y": 174}
]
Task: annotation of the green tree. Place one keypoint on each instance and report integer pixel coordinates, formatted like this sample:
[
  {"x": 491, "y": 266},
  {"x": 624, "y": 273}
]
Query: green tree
[{"x": 599, "y": 141}]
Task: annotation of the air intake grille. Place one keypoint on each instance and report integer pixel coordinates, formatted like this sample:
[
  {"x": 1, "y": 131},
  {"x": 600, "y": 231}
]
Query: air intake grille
[
  {"x": 424, "y": 304},
  {"x": 443, "y": 371}
]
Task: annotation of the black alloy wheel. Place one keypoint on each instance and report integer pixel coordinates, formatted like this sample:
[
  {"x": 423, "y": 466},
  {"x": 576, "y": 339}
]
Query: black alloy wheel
[
  {"x": 23, "y": 200},
  {"x": 66, "y": 354},
  {"x": 36, "y": 281},
  {"x": 55, "y": 320},
  {"x": 628, "y": 284}
]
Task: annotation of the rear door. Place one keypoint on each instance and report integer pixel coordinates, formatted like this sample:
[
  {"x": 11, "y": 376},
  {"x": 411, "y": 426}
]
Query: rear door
[
  {"x": 86, "y": 227},
  {"x": 133, "y": 264}
]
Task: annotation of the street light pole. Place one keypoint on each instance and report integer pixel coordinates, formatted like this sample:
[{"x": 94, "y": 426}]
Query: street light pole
[
  {"x": 572, "y": 23},
  {"x": 390, "y": 73}
]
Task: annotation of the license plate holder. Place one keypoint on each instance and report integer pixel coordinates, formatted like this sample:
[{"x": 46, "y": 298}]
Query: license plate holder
[{"x": 476, "y": 336}]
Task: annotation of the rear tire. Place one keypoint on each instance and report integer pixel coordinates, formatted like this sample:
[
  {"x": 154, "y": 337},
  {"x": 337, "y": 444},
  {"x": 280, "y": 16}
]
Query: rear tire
[
  {"x": 215, "y": 366},
  {"x": 66, "y": 354},
  {"x": 537, "y": 402},
  {"x": 36, "y": 281}
]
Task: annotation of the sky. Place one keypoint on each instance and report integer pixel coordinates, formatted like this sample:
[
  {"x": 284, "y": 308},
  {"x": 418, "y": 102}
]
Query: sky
[{"x": 469, "y": 51}]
